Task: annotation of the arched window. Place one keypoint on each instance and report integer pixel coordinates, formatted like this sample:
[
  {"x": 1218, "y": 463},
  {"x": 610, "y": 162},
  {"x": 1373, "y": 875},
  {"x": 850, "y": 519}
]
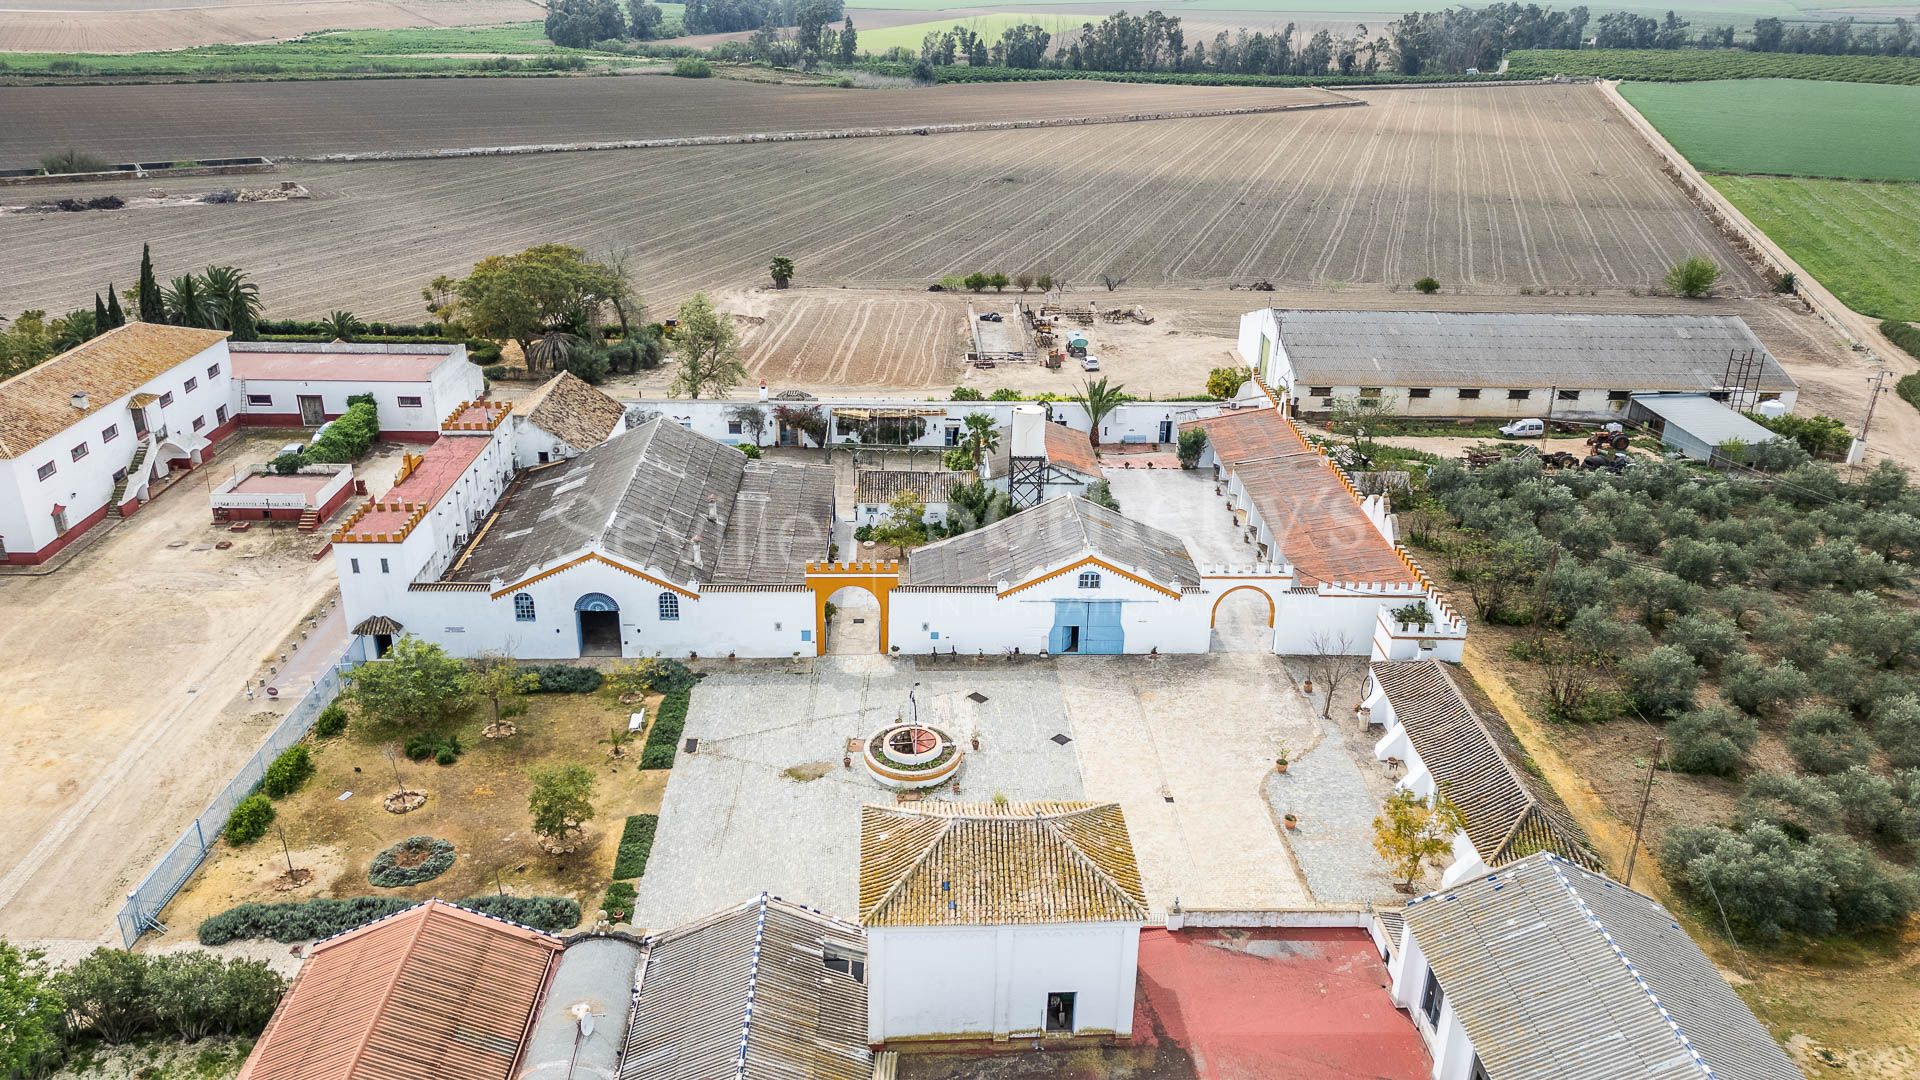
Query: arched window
[
  {"x": 669, "y": 607},
  {"x": 522, "y": 607},
  {"x": 1089, "y": 580}
]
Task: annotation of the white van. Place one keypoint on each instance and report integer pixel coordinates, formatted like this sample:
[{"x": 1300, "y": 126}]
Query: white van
[{"x": 1529, "y": 428}]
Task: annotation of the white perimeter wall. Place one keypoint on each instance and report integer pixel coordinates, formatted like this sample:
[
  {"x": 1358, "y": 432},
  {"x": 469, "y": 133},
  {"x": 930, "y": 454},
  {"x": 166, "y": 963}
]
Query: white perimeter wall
[
  {"x": 983, "y": 981},
  {"x": 1135, "y": 422},
  {"x": 982, "y": 621}
]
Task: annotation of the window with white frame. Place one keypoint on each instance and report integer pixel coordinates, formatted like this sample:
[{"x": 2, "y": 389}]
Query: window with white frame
[
  {"x": 259, "y": 401},
  {"x": 1089, "y": 579},
  {"x": 192, "y": 384},
  {"x": 409, "y": 401},
  {"x": 669, "y": 607},
  {"x": 46, "y": 471},
  {"x": 522, "y": 607},
  {"x": 80, "y": 451}
]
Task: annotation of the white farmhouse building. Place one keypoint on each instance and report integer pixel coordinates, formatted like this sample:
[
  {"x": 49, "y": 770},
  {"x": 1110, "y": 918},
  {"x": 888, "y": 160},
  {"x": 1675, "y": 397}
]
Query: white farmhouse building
[
  {"x": 564, "y": 418},
  {"x": 1506, "y": 364},
  {"x": 299, "y": 385},
  {"x": 875, "y": 489},
  {"x": 1542, "y": 970},
  {"x": 993, "y": 922},
  {"x": 1445, "y": 747},
  {"x": 96, "y": 430}
]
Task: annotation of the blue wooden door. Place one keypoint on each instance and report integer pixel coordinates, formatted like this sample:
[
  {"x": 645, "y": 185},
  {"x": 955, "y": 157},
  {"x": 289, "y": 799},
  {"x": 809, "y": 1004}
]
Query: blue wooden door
[{"x": 1103, "y": 633}]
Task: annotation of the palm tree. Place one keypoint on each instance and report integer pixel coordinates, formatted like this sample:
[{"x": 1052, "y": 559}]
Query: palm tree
[
  {"x": 186, "y": 303},
  {"x": 1099, "y": 399},
  {"x": 342, "y": 326},
  {"x": 552, "y": 349},
  {"x": 781, "y": 270},
  {"x": 233, "y": 301},
  {"x": 982, "y": 438}
]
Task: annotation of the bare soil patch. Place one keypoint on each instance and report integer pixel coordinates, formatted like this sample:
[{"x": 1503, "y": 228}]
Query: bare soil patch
[
  {"x": 1488, "y": 190},
  {"x": 125, "y": 26}
]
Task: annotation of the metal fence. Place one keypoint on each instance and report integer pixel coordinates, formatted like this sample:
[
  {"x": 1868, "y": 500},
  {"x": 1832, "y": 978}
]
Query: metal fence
[{"x": 142, "y": 909}]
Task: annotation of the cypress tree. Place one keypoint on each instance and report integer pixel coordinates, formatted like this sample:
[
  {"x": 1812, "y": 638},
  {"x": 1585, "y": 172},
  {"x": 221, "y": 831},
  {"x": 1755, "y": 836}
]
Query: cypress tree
[
  {"x": 100, "y": 320},
  {"x": 116, "y": 317},
  {"x": 152, "y": 306}
]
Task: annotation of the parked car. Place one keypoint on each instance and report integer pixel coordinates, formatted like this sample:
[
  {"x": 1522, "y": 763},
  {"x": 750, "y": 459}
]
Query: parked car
[
  {"x": 992, "y": 316},
  {"x": 1089, "y": 362},
  {"x": 1529, "y": 428}
]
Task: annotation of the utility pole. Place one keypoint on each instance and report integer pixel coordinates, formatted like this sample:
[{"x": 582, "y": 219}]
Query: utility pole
[
  {"x": 1547, "y": 425},
  {"x": 1873, "y": 399},
  {"x": 1640, "y": 819}
]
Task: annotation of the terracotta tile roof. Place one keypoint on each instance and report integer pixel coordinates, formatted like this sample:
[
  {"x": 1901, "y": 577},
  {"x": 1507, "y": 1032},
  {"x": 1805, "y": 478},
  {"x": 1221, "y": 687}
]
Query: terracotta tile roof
[
  {"x": 1508, "y": 815},
  {"x": 881, "y": 485},
  {"x": 566, "y": 408},
  {"x": 376, "y": 624},
  {"x": 37, "y": 404},
  {"x": 1072, "y": 449},
  {"x": 1314, "y": 517},
  {"x": 950, "y": 864},
  {"x": 435, "y": 992}
]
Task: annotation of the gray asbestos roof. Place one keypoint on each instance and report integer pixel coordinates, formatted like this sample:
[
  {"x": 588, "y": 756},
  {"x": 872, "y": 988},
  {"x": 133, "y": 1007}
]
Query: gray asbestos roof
[
  {"x": 661, "y": 497},
  {"x": 594, "y": 977},
  {"x": 1049, "y": 535},
  {"x": 1519, "y": 350},
  {"x": 1703, "y": 418},
  {"x": 747, "y": 994},
  {"x": 1507, "y": 815},
  {"x": 1557, "y": 972}
]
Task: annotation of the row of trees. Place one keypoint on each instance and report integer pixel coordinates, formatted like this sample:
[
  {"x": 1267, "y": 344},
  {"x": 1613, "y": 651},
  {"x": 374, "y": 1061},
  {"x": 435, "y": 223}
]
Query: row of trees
[{"x": 584, "y": 24}]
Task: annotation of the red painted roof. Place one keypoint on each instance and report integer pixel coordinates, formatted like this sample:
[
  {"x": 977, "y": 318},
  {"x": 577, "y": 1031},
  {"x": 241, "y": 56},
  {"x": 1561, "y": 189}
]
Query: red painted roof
[
  {"x": 433, "y": 993},
  {"x": 295, "y": 366},
  {"x": 439, "y": 468},
  {"x": 1317, "y": 521}
]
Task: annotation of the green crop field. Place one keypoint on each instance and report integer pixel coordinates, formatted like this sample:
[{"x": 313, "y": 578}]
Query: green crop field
[
  {"x": 1696, "y": 65},
  {"x": 440, "y": 50},
  {"x": 1860, "y": 239},
  {"x": 1782, "y": 127}
]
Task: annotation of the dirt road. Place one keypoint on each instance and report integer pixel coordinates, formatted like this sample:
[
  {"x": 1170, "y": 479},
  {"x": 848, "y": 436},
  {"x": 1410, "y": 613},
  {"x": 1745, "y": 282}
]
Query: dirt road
[{"x": 124, "y": 707}]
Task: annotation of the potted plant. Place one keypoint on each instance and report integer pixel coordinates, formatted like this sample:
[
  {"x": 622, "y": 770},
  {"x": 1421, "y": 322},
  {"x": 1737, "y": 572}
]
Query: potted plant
[
  {"x": 1280, "y": 762},
  {"x": 1293, "y": 821},
  {"x": 1416, "y": 615}
]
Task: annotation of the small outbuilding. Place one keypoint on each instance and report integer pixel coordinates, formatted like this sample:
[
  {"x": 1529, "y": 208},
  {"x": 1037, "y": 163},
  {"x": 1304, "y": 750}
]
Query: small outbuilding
[
  {"x": 1696, "y": 425},
  {"x": 875, "y": 489},
  {"x": 990, "y": 922},
  {"x": 305, "y": 385},
  {"x": 562, "y": 419}
]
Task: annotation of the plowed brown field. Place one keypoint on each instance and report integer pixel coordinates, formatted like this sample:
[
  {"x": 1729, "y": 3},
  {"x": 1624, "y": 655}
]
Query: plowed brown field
[
  {"x": 832, "y": 339},
  {"x": 1488, "y": 190},
  {"x": 182, "y": 121},
  {"x": 124, "y": 26}
]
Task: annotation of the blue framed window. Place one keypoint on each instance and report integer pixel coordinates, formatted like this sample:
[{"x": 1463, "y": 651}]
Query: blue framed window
[
  {"x": 1089, "y": 580},
  {"x": 669, "y": 607},
  {"x": 522, "y": 607}
]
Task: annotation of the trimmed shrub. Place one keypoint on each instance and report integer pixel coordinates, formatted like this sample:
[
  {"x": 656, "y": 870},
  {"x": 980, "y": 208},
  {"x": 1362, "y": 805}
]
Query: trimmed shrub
[
  {"x": 663, "y": 741},
  {"x": 443, "y": 749},
  {"x": 636, "y": 843},
  {"x": 1427, "y": 285},
  {"x": 1827, "y": 741},
  {"x": 305, "y": 920},
  {"x": 249, "y": 820},
  {"x": 289, "y": 770},
  {"x": 331, "y": 723},
  {"x": 692, "y": 67},
  {"x": 565, "y": 679},
  {"x": 1711, "y": 740},
  {"x": 619, "y": 901},
  {"x": 119, "y": 996},
  {"x": 411, "y": 861}
]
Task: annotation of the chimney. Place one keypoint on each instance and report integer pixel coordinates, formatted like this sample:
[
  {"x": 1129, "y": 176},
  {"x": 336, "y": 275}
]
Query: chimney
[
  {"x": 713, "y": 508},
  {"x": 80, "y": 400},
  {"x": 763, "y": 389},
  {"x": 693, "y": 555},
  {"x": 1029, "y": 433}
]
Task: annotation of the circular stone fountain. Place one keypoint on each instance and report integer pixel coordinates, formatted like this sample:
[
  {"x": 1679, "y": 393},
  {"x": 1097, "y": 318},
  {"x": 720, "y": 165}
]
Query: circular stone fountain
[{"x": 905, "y": 756}]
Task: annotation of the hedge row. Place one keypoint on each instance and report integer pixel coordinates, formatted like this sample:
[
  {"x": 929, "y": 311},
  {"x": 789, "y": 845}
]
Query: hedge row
[
  {"x": 564, "y": 679},
  {"x": 372, "y": 329},
  {"x": 636, "y": 843},
  {"x": 1696, "y": 65},
  {"x": 304, "y": 920},
  {"x": 960, "y": 73},
  {"x": 664, "y": 740},
  {"x": 478, "y": 351}
]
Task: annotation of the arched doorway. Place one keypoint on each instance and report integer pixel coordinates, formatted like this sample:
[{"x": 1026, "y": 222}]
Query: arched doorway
[
  {"x": 599, "y": 616},
  {"x": 1243, "y": 620},
  {"x": 854, "y": 628},
  {"x": 859, "y": 581}
]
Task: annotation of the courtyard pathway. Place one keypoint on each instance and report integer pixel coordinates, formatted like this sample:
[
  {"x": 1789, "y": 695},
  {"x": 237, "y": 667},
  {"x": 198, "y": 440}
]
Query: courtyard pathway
[{"x": 1334, "y": 843}]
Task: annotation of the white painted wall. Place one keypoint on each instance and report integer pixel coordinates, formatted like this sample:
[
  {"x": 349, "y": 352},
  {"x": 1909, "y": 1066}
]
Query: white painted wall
[
  {"x": 1130, "y": 423},
  {"x": 530, "y": 441},
  {"x": 978, "y": 982},
  {"x": 1464, "y": 859},
  {"x": 453, "y": 381},
  {"x": 1446, "y": 1039},
  {"x": 981, "y": 621}
]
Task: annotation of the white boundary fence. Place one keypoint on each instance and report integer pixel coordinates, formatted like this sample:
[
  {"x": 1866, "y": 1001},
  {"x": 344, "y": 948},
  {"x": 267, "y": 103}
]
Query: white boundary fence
[{"x": 141, "y": 912}]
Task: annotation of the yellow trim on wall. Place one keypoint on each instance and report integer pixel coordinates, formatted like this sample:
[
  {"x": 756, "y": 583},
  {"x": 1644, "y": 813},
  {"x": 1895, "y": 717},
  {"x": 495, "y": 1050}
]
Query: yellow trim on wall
[
  {"x": 592, "y": 556},
  {"x": 1095, "y": 561},
  {"x": 1214, "y": 618}
]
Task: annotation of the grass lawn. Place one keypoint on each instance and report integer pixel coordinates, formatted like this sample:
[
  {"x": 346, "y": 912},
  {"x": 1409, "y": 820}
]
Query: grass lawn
[
  {"x": 479, "y": 803},
  {"x": 1786, "y": 127},
  {"x": 442, "y": 50},
  {"x": 1862, "y": 240}
]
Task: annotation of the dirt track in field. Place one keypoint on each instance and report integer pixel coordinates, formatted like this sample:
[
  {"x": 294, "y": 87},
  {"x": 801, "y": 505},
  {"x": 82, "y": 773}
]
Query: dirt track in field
[
  {"x": 1488, "y": 190},
  {"x": 124, "y": 26},
  {"x": 189, "y": 121}
]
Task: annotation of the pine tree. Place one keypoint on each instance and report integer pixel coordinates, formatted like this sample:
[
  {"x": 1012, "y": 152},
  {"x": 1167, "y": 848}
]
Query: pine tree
[
  {"x": 116, "y": 317},
  {"x": 152, "y": 304},
  {"x": 101, "y": 323}
]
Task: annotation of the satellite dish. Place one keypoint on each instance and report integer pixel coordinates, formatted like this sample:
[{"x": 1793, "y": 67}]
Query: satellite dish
[{"x": 586, "y": 1025}]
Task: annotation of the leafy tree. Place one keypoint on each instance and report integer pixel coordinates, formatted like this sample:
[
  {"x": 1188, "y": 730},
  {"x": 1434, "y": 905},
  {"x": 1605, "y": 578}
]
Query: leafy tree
[
  {"x": 32, "y": 1014},
  {"x": 187, "y": 303},
  {"x": 100, "y": 318},
  {"x": 415, "y": 686},
  {"x": 104, "y": 994},
  {"x": 116, "y": 316},
  {"x": 499, "y": 681},
  {"x": 1710, "y": 639},
  {"x": 905, "y": 524},
  {"x": 1712, "y": 740},
  {"x": 71, "y": 161},
  {"x": 980, "y": 438},
  {"x": 1427, "y": 286},
  {"x": 999, "y": 281},
  {"x": 709, "y": 350},
  {"x": 342, "y": 326},
  {"x": 1412, "y": 832},
  {"x": 1661, "y": 683},
  {"x": 546, "y": 287},
  {"x": 1099, "y": 398},
  {"x": 977, "y": 281},
  {"x": 1762, "y": 690},
  {"x": 148, "y": 295},
  {"x": 646, "y": 19},
  {"x": 849, "y": 42},
  {"x": 1193, "y": 443},
  {"x": 1770, "y": 884},
  {"x": 752, "y": 420},
  {"x": 1224, "y": 382},
  {"x": 1044, "y": 282},
  {"x": 1896, "y": 723},
  {"x": 1100, "y": 493},
  {"x": 1692, "y": 276},
  {"x": 29, "y": 341},
  {"x": 1826, "y": 740},
  {"x": 973, "y": 505},
  {"x": 561, "y": 799},
  {"x": 781, "y": 269},
  {"x": 233, "y": 302},
  {"x": 74, "y": 328},
  {"x": 577, "y": 24}
]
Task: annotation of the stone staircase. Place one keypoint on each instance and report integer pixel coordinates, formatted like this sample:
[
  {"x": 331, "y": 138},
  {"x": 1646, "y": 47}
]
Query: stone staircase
[
  {"x": 309, "y": 520},
  {"x": 120, "y": 489}
]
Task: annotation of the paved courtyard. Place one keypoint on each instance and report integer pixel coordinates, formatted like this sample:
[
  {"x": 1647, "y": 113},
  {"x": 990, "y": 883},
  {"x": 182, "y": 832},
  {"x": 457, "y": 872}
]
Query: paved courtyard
[
  {"x": 1184, "y": 503},
  {"x": 1184, "y": 744}
]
